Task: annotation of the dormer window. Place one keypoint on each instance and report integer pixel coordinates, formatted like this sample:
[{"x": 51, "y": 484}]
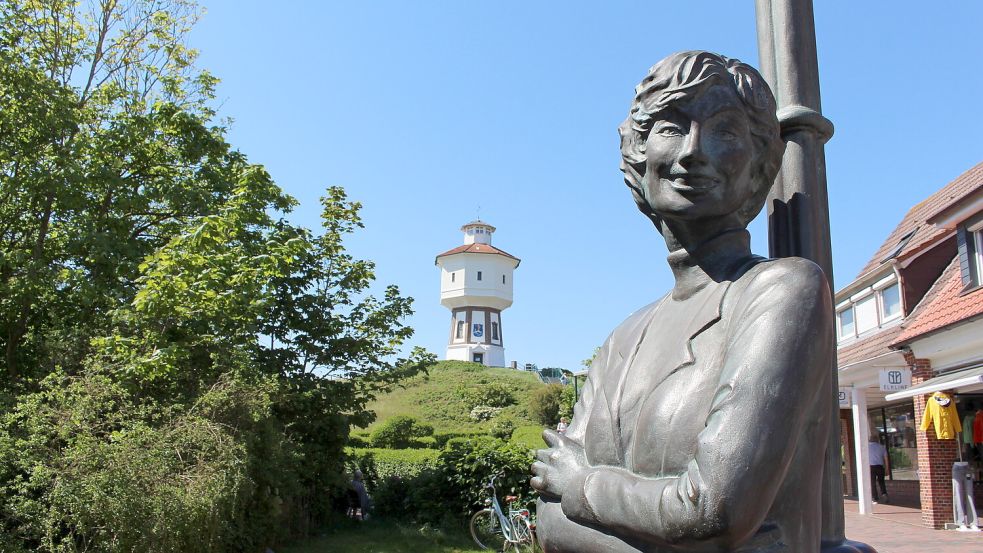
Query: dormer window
[
  {"x": 969, "y": 241},
  {"x": 870, "y": 309}
]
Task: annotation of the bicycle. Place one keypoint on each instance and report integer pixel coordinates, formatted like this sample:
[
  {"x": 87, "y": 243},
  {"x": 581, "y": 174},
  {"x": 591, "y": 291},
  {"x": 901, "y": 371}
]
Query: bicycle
[{"x": 493, "y": 529}]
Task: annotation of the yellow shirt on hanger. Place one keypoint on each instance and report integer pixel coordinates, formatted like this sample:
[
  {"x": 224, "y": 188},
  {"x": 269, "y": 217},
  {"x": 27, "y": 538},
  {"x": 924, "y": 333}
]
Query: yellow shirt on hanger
[{"x": 941, "y": 410}]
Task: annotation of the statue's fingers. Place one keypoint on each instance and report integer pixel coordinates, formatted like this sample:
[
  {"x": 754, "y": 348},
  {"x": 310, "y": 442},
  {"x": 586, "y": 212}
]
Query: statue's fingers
[
  {"x": 551, "y": 438},
  {"x": 538, "y": 483},
  {"x": 544, "y": 455},
  {"x": 539, "y": 469}
]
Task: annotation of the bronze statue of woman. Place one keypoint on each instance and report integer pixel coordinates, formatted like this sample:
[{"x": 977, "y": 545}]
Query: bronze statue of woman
[{"x": 702, "y": 425}]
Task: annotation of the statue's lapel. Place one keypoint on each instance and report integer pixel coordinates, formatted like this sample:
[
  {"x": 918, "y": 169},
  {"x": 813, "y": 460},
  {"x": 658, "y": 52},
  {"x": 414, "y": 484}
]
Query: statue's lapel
[
  {"x": 658, "y": 350},
  {"x": 704, "y": 315}
]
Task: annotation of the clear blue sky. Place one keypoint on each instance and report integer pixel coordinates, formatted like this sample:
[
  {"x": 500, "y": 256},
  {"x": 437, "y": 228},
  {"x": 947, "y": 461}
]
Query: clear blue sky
[{"x": 426, "y": 110}]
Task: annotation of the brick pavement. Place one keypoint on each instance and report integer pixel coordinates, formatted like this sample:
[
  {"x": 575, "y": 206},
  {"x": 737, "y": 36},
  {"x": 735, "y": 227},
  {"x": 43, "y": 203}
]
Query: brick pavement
[{"x": 892, "y": 529}]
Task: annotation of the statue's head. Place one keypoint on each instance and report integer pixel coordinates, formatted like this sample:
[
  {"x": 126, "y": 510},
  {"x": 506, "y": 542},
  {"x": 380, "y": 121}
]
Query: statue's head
[{"x": 702, "y": 139}]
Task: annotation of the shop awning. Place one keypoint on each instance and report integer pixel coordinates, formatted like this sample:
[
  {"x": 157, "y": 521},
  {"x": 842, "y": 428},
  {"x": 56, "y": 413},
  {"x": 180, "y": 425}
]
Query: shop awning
[{"x": 967, "y": 378}]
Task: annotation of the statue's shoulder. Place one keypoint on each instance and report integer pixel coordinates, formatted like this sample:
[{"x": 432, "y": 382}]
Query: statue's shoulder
[
  {"x": 786, "y": 273},
  {"x": 630, "y": 328}
]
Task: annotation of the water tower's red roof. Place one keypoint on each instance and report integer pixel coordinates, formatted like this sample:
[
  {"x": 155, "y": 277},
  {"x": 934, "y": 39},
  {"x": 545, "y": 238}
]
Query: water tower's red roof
[{"x": 477, "y": 248}]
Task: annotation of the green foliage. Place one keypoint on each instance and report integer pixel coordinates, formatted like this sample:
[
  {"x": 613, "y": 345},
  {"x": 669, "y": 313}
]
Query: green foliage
[
  {"x": 567, "y": 402},
  {"x": 529, "y": 437},
  {"x": 389, "y": 536},
  {"x": 503, "y": 428},
  {"x": 103, "y": 469},
  {"x": 394, "y": 462},
  {"x": 443, "y": 396},
  {"x": 493, "y": 394},
  {"x": 453, "y": 486},
  {"x": 441, "y": 438},
  {"x": 545, "y": 404},
  {"x": 469, "y": 464},
  {"x": 484, "y": 413},
  {"x": 180, "y": 365},
  {"x": 399, "y": 432}
]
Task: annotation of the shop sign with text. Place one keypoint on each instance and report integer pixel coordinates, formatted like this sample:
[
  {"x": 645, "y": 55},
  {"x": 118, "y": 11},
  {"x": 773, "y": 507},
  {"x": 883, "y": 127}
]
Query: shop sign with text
[{"x": 895, "y": 380}]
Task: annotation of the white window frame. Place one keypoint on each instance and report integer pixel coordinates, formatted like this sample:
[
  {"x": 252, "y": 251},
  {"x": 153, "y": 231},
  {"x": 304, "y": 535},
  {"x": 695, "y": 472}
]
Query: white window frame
[
  {"x": 841, "y": 337},
  {"x": 876, "y": 290}
]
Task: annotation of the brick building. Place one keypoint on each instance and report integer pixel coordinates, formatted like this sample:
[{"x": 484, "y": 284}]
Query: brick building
[{"x": 915, "y": 311}]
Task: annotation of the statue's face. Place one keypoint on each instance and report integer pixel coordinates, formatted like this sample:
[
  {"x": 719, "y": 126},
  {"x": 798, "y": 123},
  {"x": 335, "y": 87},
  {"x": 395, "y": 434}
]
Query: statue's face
[{"x": 698, "y": 158}]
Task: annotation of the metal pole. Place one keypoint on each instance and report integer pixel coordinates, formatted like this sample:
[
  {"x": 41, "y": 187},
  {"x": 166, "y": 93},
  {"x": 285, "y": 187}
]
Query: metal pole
[{"x": 798, "y": 209}]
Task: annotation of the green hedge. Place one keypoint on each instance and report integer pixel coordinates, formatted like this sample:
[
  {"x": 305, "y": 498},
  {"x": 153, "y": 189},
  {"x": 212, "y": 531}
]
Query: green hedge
[{"x": 396, "y": 462}]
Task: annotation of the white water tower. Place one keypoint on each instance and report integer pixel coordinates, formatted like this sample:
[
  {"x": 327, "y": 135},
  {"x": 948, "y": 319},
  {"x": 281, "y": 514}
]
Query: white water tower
[{"x": 476, "y": 285}]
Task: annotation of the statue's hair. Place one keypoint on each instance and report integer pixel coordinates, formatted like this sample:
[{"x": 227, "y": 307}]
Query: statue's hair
[{"x": 686, "y": 75}]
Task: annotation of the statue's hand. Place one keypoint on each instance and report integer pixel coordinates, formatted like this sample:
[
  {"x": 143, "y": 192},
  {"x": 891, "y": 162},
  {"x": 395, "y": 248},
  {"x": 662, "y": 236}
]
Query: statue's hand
[{"x": 557, "y": 465}]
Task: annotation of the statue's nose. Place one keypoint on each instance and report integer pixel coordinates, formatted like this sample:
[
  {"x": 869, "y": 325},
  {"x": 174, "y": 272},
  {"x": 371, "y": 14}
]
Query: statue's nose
[{"x": 692, "y": 149}]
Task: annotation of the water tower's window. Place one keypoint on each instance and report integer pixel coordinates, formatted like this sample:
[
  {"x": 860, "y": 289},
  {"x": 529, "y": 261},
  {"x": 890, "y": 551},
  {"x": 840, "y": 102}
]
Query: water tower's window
[
  {"x": 460, "y": 329},
  {"x": 503, "y": 279},
  {"x": 494, "y": 331},
  {"x": 452, "y": 276},
  {"x": 479, "y": 275}
]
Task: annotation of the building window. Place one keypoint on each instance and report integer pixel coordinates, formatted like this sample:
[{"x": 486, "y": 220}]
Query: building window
[
  {"x": 461, "y": 326},
  {"x": 494, "y": 331},
  {"x": 452, "y": 276},
  {"x": 894, "y": 426},
  {"x": 870, "y": 309},
  {"x": 846, "y": 326},
  {"x": 503, "y": 279},
  {"x": 865, "y": 312},
  {"x": 969, "y": 243},
  {"x": 479, "y": 275},
  {"x": 978, "y": 255},
  {"x": 890, "y": 302}
]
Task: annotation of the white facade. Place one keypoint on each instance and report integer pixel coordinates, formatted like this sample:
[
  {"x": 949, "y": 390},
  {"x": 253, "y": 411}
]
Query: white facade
[{"x": 476, "y": 285}]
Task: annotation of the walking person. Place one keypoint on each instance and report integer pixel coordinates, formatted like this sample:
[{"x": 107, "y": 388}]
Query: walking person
[{"x": 877, "y": 454}]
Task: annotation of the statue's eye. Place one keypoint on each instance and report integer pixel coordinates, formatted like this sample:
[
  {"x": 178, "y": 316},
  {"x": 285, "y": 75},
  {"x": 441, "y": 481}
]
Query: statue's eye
[
  {"x": 668, "y": 129},
  {"x": 725, "y": 134}
]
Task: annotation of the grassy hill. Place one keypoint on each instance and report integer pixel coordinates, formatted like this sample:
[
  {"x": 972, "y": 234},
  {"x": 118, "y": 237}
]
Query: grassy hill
[{"x": 445, "y": 396}]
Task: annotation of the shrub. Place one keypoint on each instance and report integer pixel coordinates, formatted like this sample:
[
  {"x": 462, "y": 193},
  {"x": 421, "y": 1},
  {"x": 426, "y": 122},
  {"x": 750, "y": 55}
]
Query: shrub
[
  {"x": 502, "y": 429},
  {"x": 545, "y": 404},
  {"x": 468, "y": 465},
  {"x": 567, "y": 402},
  {"x": 442, "y": 438},
  {"x": 398, "y": 432},
  {"x": 484, "y": 413},
  {"x": 495, "y": 394},
  {"x": 445, "y": 489},
  {"x": 393, "y": 462},
  {"x": 101, "y": 468}
]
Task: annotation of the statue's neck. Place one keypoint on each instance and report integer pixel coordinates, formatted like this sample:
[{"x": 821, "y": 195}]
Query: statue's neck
[{"x": 715, "y": 260}]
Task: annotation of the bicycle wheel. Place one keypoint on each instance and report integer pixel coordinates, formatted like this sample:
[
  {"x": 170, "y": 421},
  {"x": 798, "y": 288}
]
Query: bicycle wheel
[
  {"x": 487, "y": 530},
  {"x": 525, "y": 536}
]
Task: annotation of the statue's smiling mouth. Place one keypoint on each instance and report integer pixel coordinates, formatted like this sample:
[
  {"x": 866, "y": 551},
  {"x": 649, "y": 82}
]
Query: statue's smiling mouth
[{"x": 692, "y": 181}]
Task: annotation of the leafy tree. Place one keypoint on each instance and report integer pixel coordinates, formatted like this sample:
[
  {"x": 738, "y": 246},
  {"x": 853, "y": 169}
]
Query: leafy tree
[
  {"x": 105, "y": 150},
  {"x": 180, "y": 365}
]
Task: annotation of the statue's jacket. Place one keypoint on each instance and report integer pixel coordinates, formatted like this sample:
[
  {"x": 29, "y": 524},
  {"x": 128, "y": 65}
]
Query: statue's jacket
[{"x": 703, "y": 422}]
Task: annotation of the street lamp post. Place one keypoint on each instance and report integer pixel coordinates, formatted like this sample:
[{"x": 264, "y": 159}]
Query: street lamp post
[{"x": 798, "y": 208}]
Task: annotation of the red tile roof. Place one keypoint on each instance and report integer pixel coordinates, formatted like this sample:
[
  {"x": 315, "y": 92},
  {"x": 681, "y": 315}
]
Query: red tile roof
[
  {"x": 867, "y": 347},
  {"x": 944, "y": 305},
  {"x": 478, "y": 248},
  {"x": 914, "y": 221}
]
